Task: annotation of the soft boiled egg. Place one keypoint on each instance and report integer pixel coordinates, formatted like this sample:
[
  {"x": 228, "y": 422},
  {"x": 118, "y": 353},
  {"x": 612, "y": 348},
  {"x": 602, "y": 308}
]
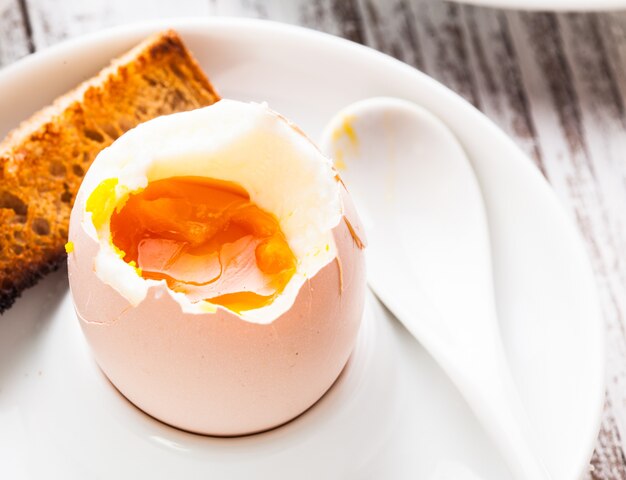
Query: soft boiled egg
[{"x": 216, "y": 266}]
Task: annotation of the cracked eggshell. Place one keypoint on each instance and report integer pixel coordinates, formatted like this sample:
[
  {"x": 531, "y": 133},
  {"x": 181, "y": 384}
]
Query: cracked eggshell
[{"x": 216, "y": 373}]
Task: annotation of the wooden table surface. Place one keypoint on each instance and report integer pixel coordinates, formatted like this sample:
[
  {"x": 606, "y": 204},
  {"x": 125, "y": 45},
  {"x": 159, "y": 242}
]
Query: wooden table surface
[{"x": 556, "y": 83}]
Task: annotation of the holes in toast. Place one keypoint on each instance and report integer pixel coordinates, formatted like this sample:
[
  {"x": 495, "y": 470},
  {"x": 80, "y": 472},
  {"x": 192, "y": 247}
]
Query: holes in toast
[
  {"x": 17, "y": 244},
  {"x": 66, "y": 197},
  {"x": 15, "y": 203},
  {"x": 177, "y": 72},
  {"x": 63, "y": 233},
  {"x": 150, "y": 81},
  {"x": 141, "y": 109},
  {"x": 86, "y": 157},
  {"x": 111, "y": 130},
  {"x": 94, "y": 135},
  {"x": 78, "y": 170},
  {"x": 57, "y": 169},
  {"x": 176, "y": 98},
  {"x": 41, "y": 226}
]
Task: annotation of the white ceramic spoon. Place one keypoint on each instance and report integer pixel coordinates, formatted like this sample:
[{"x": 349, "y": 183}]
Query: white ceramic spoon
[{"x": 429, "y": 255}]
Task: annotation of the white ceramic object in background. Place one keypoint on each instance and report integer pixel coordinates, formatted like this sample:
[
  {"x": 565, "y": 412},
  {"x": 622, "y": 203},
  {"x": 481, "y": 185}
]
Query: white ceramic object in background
[
  {"x": 555, "y": 5},
  {"x": 429, "y": 257},
  {"x": 399, "y": 416}
]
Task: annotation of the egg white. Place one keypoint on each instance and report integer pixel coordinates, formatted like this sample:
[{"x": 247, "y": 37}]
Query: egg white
[{"x": 246, "y": 143}]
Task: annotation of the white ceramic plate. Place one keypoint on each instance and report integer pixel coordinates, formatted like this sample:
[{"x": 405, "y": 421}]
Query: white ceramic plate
[
  {"x": 553, "y": 5},
  {"x": 393, "y": 414}
]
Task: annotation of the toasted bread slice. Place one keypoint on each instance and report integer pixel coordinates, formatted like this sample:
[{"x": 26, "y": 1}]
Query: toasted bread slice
[{"x": 43, "y": 161}]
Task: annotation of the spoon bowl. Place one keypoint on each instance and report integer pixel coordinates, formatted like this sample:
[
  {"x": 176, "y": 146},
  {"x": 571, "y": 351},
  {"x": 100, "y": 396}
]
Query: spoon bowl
[{"x": 429, "y": 255}]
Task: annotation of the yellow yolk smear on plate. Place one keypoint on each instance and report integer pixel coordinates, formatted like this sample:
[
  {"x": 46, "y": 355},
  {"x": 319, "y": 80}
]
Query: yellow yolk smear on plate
[{"x": 206, "y": 239}]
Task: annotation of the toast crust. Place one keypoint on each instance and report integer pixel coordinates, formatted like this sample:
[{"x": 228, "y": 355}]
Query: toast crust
[{"x": 42, "y": 162}]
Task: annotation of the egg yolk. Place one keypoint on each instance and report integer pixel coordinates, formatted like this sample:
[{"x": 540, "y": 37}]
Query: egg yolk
[{"x": 206, "y": 239}]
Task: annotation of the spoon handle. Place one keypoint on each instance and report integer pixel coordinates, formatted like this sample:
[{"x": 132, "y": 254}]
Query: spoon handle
[
  {"x": 489, "y": 389},
  {"x": 494, "y": 399}
]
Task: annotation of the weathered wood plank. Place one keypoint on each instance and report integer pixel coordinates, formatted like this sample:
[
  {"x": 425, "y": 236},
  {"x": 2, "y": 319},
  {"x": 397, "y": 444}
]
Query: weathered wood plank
[
  {"x": 446, "y": 47},
  {"x": 499, "y": 80},
  {"x": 608, "y": 462},
  {"x": 612, "y": 29},
  {"x": 55, "y": 21},
  {"x": 603, "y": 120},
  {"x": 338, "y": 17},
  {"x": 599, "y": 86},
  {"x": 573, "y": 107},
  {"x": 14, "y": 41}
]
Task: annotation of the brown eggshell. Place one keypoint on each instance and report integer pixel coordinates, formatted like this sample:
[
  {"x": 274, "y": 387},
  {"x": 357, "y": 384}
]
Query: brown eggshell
[{"x": 215, "y": 373}]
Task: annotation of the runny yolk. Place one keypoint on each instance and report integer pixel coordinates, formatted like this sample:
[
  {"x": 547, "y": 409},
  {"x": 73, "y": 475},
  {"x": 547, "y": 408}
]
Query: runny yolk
[{"x": 205, "y": 238}]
